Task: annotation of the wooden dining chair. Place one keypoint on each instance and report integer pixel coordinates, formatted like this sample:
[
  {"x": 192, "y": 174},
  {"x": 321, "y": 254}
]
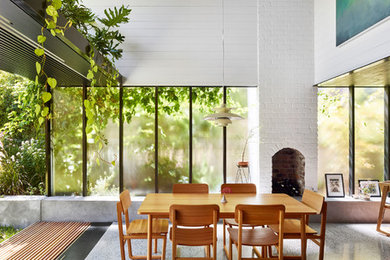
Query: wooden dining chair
[
  {"x": 190, "y": 188},
  {"x": 292, "y": 227},
  {"x": 137, "y": 229},
  {"x": 259, "y": 215},
  {"x": 191, "y": 226},
  {"x": 235, "y": 188}
]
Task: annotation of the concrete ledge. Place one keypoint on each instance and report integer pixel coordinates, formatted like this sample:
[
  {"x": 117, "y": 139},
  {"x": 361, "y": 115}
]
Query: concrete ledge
[{"x": 21, "y": 211}]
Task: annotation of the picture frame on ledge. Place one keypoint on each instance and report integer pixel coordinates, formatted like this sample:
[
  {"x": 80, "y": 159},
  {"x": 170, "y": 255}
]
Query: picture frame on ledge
[
  {"x": 372, "y": 187},
  {"x": 334, "y": 185}
]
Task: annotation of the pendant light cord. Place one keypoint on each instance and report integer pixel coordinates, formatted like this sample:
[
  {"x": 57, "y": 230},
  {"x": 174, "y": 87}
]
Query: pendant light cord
[{"x": 223, "y": 42}]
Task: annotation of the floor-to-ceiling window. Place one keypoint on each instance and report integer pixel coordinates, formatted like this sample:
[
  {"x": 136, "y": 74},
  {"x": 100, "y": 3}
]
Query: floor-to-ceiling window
[
  {"x": 207, "y": 166},
  {"x": 139, "y": 140},
  {"x": 351, "y": 127},
  {"x": 103, "y": 153},
  {"x": 369, "y": 134},
  {"x": 67, "y": 141},
  {"x": 333, "y": 134},
  {"x": 161, "y": 139}
]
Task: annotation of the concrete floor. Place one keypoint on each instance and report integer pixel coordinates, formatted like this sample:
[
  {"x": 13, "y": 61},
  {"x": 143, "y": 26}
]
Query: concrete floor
[{"x": 343, "y": 241}]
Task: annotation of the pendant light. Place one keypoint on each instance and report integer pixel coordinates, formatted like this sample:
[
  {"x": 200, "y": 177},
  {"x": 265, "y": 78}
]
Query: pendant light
[{"x": 223, "y": 117}]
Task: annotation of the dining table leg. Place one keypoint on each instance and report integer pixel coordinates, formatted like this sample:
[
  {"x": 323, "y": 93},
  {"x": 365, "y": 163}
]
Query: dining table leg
[
  {"x": 150, "y": 228},
  {"x": 303, "y": 236}
]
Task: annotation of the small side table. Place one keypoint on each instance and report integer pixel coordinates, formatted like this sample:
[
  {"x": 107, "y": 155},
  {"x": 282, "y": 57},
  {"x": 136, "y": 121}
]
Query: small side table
[
  {"x": 385, "y": 188},
  {"x": 243, "y": 174}
]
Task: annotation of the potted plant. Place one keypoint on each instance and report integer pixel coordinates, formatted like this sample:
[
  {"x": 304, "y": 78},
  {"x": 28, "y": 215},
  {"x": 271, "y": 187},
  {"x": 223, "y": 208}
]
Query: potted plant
[{"x": 244, "y": 163}]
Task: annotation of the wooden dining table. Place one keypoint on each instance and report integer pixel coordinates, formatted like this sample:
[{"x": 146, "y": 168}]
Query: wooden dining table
[{"x": 156, "y": 205}]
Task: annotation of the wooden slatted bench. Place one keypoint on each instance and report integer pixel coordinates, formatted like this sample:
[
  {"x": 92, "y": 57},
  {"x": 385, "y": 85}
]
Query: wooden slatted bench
[
  {"x": 42, "y": 240},
  {"x": 385, "y": 188}
]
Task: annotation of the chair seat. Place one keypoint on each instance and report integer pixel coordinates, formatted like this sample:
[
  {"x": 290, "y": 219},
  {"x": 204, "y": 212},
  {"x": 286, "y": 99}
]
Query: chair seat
[
  {"x": 193, "y": 236},
  {"x": 255, "y": 237},
  {"x": 232, "y": 222},
  {"x": 293, "y": 226},
  {"x": 140, "y": 226}
]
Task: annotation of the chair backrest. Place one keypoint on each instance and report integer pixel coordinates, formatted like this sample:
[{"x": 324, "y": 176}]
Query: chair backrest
[
  {"x": 123, "y": 207},
  {"x": 194, "y": 215},
  {"x": 313, "y": 200},
  {"x": 190, "y": 188},
  {"x": 125, "y": 200},
  {"x": 247, "y": 188},
  {"x": 259, "y": 214}
]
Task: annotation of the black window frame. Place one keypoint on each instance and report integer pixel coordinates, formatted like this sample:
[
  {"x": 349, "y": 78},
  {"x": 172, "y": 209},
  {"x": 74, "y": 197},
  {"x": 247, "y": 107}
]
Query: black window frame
[
  {"x": 352, "y": 132},
  {"x": 49, "y": 155}
]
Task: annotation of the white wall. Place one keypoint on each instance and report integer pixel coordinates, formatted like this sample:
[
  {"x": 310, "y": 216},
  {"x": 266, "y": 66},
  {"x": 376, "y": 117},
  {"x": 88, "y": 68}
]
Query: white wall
[
  {"x": 269, "y": 43},
  {"x": 330, "y": 61},
  {"x": 179, "y": 42},
  {"x": 288, "y": 101}
]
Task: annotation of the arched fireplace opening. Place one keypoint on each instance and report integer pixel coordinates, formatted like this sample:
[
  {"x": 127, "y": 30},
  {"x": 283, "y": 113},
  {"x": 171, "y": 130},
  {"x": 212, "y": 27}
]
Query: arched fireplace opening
[{"x": 288, "y": 172}]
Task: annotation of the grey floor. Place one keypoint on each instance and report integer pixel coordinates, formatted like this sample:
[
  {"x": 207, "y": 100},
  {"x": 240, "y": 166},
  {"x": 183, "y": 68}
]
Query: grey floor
[{"x": 343, "y": 241}]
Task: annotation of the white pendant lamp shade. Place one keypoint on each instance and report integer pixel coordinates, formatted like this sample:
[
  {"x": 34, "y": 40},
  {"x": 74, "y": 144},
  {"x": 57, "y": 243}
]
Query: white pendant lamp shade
[{"x": 223, "y": 117}]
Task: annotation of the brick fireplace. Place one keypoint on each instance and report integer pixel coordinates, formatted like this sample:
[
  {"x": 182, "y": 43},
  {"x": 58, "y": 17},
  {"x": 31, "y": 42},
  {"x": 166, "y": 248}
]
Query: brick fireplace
[{"x": 288, "y": 172}]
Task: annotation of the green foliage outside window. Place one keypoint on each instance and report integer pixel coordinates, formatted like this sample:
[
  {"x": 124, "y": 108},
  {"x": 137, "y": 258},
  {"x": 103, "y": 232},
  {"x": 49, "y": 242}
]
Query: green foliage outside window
[
  {"x": 333, "y": 134},
  {"x": 22, "y": 144}
]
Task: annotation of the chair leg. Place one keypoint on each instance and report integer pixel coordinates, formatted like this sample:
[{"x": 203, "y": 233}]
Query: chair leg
[
  {"x": 173, "y": 250},
  {"x": 230, "y": 249},
  {"x": 164, "y": 248},
  {"x": 155, "y": 245},
  {"x": 224, "y": 232},
  {"x": 129, "y": 248},
  {"x": 322, "y": 248},
  {"x": 239, "y": 249},
  {"x": 122, "y": 245}
]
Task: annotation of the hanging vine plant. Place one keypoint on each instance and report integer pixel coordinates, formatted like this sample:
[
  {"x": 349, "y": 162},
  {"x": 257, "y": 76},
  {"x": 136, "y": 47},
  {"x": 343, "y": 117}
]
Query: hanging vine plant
[{"x": 104, "y": 38}]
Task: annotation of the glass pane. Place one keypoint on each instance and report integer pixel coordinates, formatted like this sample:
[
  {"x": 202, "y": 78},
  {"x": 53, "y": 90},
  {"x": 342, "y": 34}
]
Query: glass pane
[
  {"x": 67, "y": 141},
  {"x": 242, "y": 135},
  {"x": 333, "y": 135},
  {"x": 369, "y": 134},
  {"x": 103, "y": 159},
  {"x": 138, "y": 140},
  {"x": 173, "y": 137},
  {"x": 207, "y": 142},
  {"x": 22, "y": 145}
]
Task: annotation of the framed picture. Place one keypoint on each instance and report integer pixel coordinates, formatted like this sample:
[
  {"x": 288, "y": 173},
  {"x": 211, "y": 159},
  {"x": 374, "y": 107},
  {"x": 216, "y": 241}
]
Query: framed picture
[
  {"x": 371, "y": 187},
  {"x": 334, "y": 185}
]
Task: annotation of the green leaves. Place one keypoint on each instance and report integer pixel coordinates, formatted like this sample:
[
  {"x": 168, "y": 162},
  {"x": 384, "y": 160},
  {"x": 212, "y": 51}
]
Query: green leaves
[
  {"x": 114, "y": 17},
  {"x": 45, "y": 112},
  {"x": 52, "y": 82},
  {"x": 41, "y": 120},
  {"x": 52, "y": 11},
  {"x": 46, "y": 96},
  {"x": 38, "y": 67},
  {"x": 41, "y": 39},
  {"x": 39, "y": 52},
  {"x": 37, "y": 109},
  {"x": 57, "y": 4},
  {"x": 90, "y": 75}
]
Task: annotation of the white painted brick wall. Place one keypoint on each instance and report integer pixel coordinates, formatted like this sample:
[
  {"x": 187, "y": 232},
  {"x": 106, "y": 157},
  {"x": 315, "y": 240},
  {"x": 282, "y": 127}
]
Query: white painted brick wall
[{"x": 288, "y": 101}]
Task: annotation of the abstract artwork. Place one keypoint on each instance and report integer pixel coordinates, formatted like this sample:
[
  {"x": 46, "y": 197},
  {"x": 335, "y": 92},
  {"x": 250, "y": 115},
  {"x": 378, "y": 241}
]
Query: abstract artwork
[{"x": 355, "y": 16}]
